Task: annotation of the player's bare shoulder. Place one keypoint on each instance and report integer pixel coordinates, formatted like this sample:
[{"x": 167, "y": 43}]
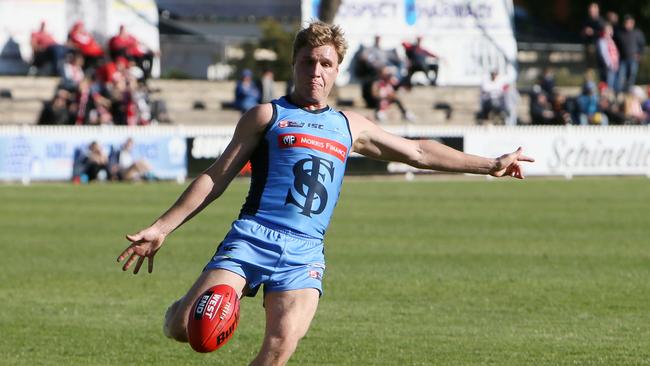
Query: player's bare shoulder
[
  {"x": 256, "y": 119},
  {"x": 360, "y": 127}
]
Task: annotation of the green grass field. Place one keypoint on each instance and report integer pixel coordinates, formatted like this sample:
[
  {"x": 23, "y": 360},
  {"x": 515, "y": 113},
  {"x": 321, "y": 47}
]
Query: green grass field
[{"x": 455, "y": 272}]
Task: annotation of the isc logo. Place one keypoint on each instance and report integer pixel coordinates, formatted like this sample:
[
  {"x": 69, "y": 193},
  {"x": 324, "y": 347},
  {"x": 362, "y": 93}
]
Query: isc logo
[{"x": 289, "y": 139}]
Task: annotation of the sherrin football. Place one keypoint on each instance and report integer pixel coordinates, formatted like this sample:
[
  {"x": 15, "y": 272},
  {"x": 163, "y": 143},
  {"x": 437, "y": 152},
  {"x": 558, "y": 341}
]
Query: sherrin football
[{"x": 213, "y": 319}]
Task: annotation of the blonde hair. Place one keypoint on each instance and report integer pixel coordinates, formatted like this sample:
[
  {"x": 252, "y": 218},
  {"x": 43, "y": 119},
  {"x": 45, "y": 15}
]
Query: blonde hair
[{"x": 320, "y": 34}]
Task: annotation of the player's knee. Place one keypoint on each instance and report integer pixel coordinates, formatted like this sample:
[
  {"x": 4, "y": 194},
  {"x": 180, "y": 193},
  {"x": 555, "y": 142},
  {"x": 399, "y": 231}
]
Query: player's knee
[
  {"x": 282, "y": 347},
  {"x": 175, "y": 325}
]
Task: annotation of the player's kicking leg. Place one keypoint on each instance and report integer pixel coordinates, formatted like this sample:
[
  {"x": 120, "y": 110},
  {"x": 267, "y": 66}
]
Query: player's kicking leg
[
  {"x": 288, "y": 316},
  {"x": 177, "y": 314}
]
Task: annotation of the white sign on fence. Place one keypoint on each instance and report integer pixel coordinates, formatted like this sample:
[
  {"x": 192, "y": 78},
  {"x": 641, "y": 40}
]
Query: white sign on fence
[
  {"x": 569, "y": 151},
  {"x": 472, "y": 37}
]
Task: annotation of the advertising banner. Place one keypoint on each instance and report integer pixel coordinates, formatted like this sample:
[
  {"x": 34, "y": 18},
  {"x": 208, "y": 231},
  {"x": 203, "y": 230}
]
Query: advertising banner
[
  {"x": 30, "y": 157},
  {"x": 569, "y": 151},
  {"x": 471, "y": 37}
]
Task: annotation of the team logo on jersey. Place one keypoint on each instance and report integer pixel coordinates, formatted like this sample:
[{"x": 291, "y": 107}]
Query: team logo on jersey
[
  {"x": 327, "y": 146},
  {"x": 308, "y": 187},
  {"x": 286, "y": 123}
]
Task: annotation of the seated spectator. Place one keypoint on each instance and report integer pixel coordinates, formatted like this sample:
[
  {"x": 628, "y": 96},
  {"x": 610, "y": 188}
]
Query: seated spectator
[
  {"x": 561, "y": 110},
  {"x": 73, "y": 73},
  {"x": 82, "y": 41},
  {"x": 368, "y": 63},
  {"x": 607, "y": 105},
  {"x": 55, "y": 112},
  {"x": 420, "y": 59},
  {"x": 124, "y": 44},
  {"x": 384, "y": 91},
  {"x": 646, "y": 105},
  {"x": 492, "y": 95},
  {"x": 93, "y": 108},
  {"x": 587, "y": 106},
  {"x": 130, "y": 169},
  {"x": 541, "y": 110},
  {"x": 632, "y": 108},
  {"x": 247, "y": 95},
  {"x": 95, "y": 162},
  {"x": 46, "y": 52},
  {"x": 547, "y": 83}
]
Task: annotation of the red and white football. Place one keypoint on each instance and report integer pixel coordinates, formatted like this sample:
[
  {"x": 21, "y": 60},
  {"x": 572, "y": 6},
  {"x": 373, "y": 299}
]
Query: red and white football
[{"x": 213, "y": 319}]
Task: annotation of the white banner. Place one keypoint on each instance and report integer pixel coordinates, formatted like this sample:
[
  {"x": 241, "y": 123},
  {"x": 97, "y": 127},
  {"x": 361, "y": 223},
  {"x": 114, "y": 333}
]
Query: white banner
[
  {"x": 471, "y": 37},
  {"x": 569, "y": 151}
]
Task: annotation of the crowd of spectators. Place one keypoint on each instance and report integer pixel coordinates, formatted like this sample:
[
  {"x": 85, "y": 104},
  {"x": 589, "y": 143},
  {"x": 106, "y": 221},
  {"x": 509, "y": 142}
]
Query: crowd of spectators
[
  {"x": 383, "y": 73},
  {"x": 97, "y": 85},
  {"x": 596, "y": 104},
  {"x": 608, "y": 97},
  {"x": 119, "y": 164}
]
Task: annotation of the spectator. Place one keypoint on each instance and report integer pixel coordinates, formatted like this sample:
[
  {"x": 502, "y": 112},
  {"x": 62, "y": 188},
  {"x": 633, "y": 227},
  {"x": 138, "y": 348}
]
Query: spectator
[
  {"x": 369, "y": 62},
  {"x": 587, "y": 105},
  {"x": 130, "y": 169},
  {"x": 55, "y": 112},
  {"x": 632, "y": 107},
  {"x": 492, "y": 95},
  {"x": 541, "y": 110},
  {"x": 561, "y": 110},
  {"x": 420, "y": 59},
  {"x": 607, "y": 105},
  {"x": 266, "y": 85},
  {"x": 608, "y": 57},
  {"x": 95, "y": 162},
  {"x": 385, "y": 92},
  {"x": 631, "y": 43},
  {"x": 591, "y": 30},
  {"x": 646, "y": 105},
  {"x": 46, "y": 51},
  {"x": 547, "y": 83},
  {"x": 124, "y": 44},
  {"x": 93, "y": 107},
  {"x": 81, "y": 40},
  {"x": 612, "y": 18},
  {"x": 73, "y": 73},
  {"x": 247, "y": 95}
]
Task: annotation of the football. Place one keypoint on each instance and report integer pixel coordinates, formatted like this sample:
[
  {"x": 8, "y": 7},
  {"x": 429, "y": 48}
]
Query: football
[{"x": 213, "y": 319}]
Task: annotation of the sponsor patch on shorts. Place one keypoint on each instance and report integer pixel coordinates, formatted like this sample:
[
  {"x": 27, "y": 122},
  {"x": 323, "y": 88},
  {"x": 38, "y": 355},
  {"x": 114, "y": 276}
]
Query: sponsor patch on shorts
[{"x": 315, "y": 274}]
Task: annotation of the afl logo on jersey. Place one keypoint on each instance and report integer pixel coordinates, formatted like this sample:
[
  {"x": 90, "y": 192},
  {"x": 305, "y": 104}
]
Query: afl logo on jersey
[{"x": 289, "y": 139}]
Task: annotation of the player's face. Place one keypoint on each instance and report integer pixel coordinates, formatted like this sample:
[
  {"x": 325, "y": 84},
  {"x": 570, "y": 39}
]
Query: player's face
[{"x": 314, "y": 74}]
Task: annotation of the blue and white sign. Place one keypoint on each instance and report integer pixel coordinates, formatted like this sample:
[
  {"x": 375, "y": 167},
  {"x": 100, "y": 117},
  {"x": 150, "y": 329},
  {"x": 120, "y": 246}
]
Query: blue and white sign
[{"x": 40, "y": 156}]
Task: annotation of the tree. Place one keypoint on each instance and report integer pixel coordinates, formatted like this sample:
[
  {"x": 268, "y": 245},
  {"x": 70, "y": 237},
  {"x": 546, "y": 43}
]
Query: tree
[{"x": 327, "y": 10}]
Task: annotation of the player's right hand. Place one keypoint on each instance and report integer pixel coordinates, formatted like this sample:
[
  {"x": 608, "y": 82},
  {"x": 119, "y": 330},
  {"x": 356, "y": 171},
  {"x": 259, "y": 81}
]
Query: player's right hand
[{"x": 144, "y": 244}]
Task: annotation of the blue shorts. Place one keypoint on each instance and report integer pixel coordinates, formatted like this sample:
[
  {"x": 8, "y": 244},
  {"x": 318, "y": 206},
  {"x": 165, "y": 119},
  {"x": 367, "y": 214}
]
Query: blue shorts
[{"x": 274, "y": 257}]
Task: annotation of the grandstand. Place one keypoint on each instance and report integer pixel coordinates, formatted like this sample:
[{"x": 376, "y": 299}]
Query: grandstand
[{"x": 29, "y": 93}]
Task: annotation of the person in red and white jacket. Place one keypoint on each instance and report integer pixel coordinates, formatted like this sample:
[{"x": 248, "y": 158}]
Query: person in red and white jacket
[{"x": 608, "y": 56}]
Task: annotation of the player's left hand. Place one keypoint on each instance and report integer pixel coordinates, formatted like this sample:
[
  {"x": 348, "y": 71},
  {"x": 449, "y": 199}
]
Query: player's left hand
[{"x": 508, "y": 165}]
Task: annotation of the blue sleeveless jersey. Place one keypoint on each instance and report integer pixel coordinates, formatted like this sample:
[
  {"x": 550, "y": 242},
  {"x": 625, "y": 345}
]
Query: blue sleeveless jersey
[{"x": 298, "y": 168}]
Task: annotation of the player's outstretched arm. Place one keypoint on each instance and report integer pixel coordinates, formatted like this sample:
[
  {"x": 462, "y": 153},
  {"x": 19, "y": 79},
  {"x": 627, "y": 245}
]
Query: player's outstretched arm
[
  {"x": 208, "y": 186},
  {"x": 374, "y": 142}
]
